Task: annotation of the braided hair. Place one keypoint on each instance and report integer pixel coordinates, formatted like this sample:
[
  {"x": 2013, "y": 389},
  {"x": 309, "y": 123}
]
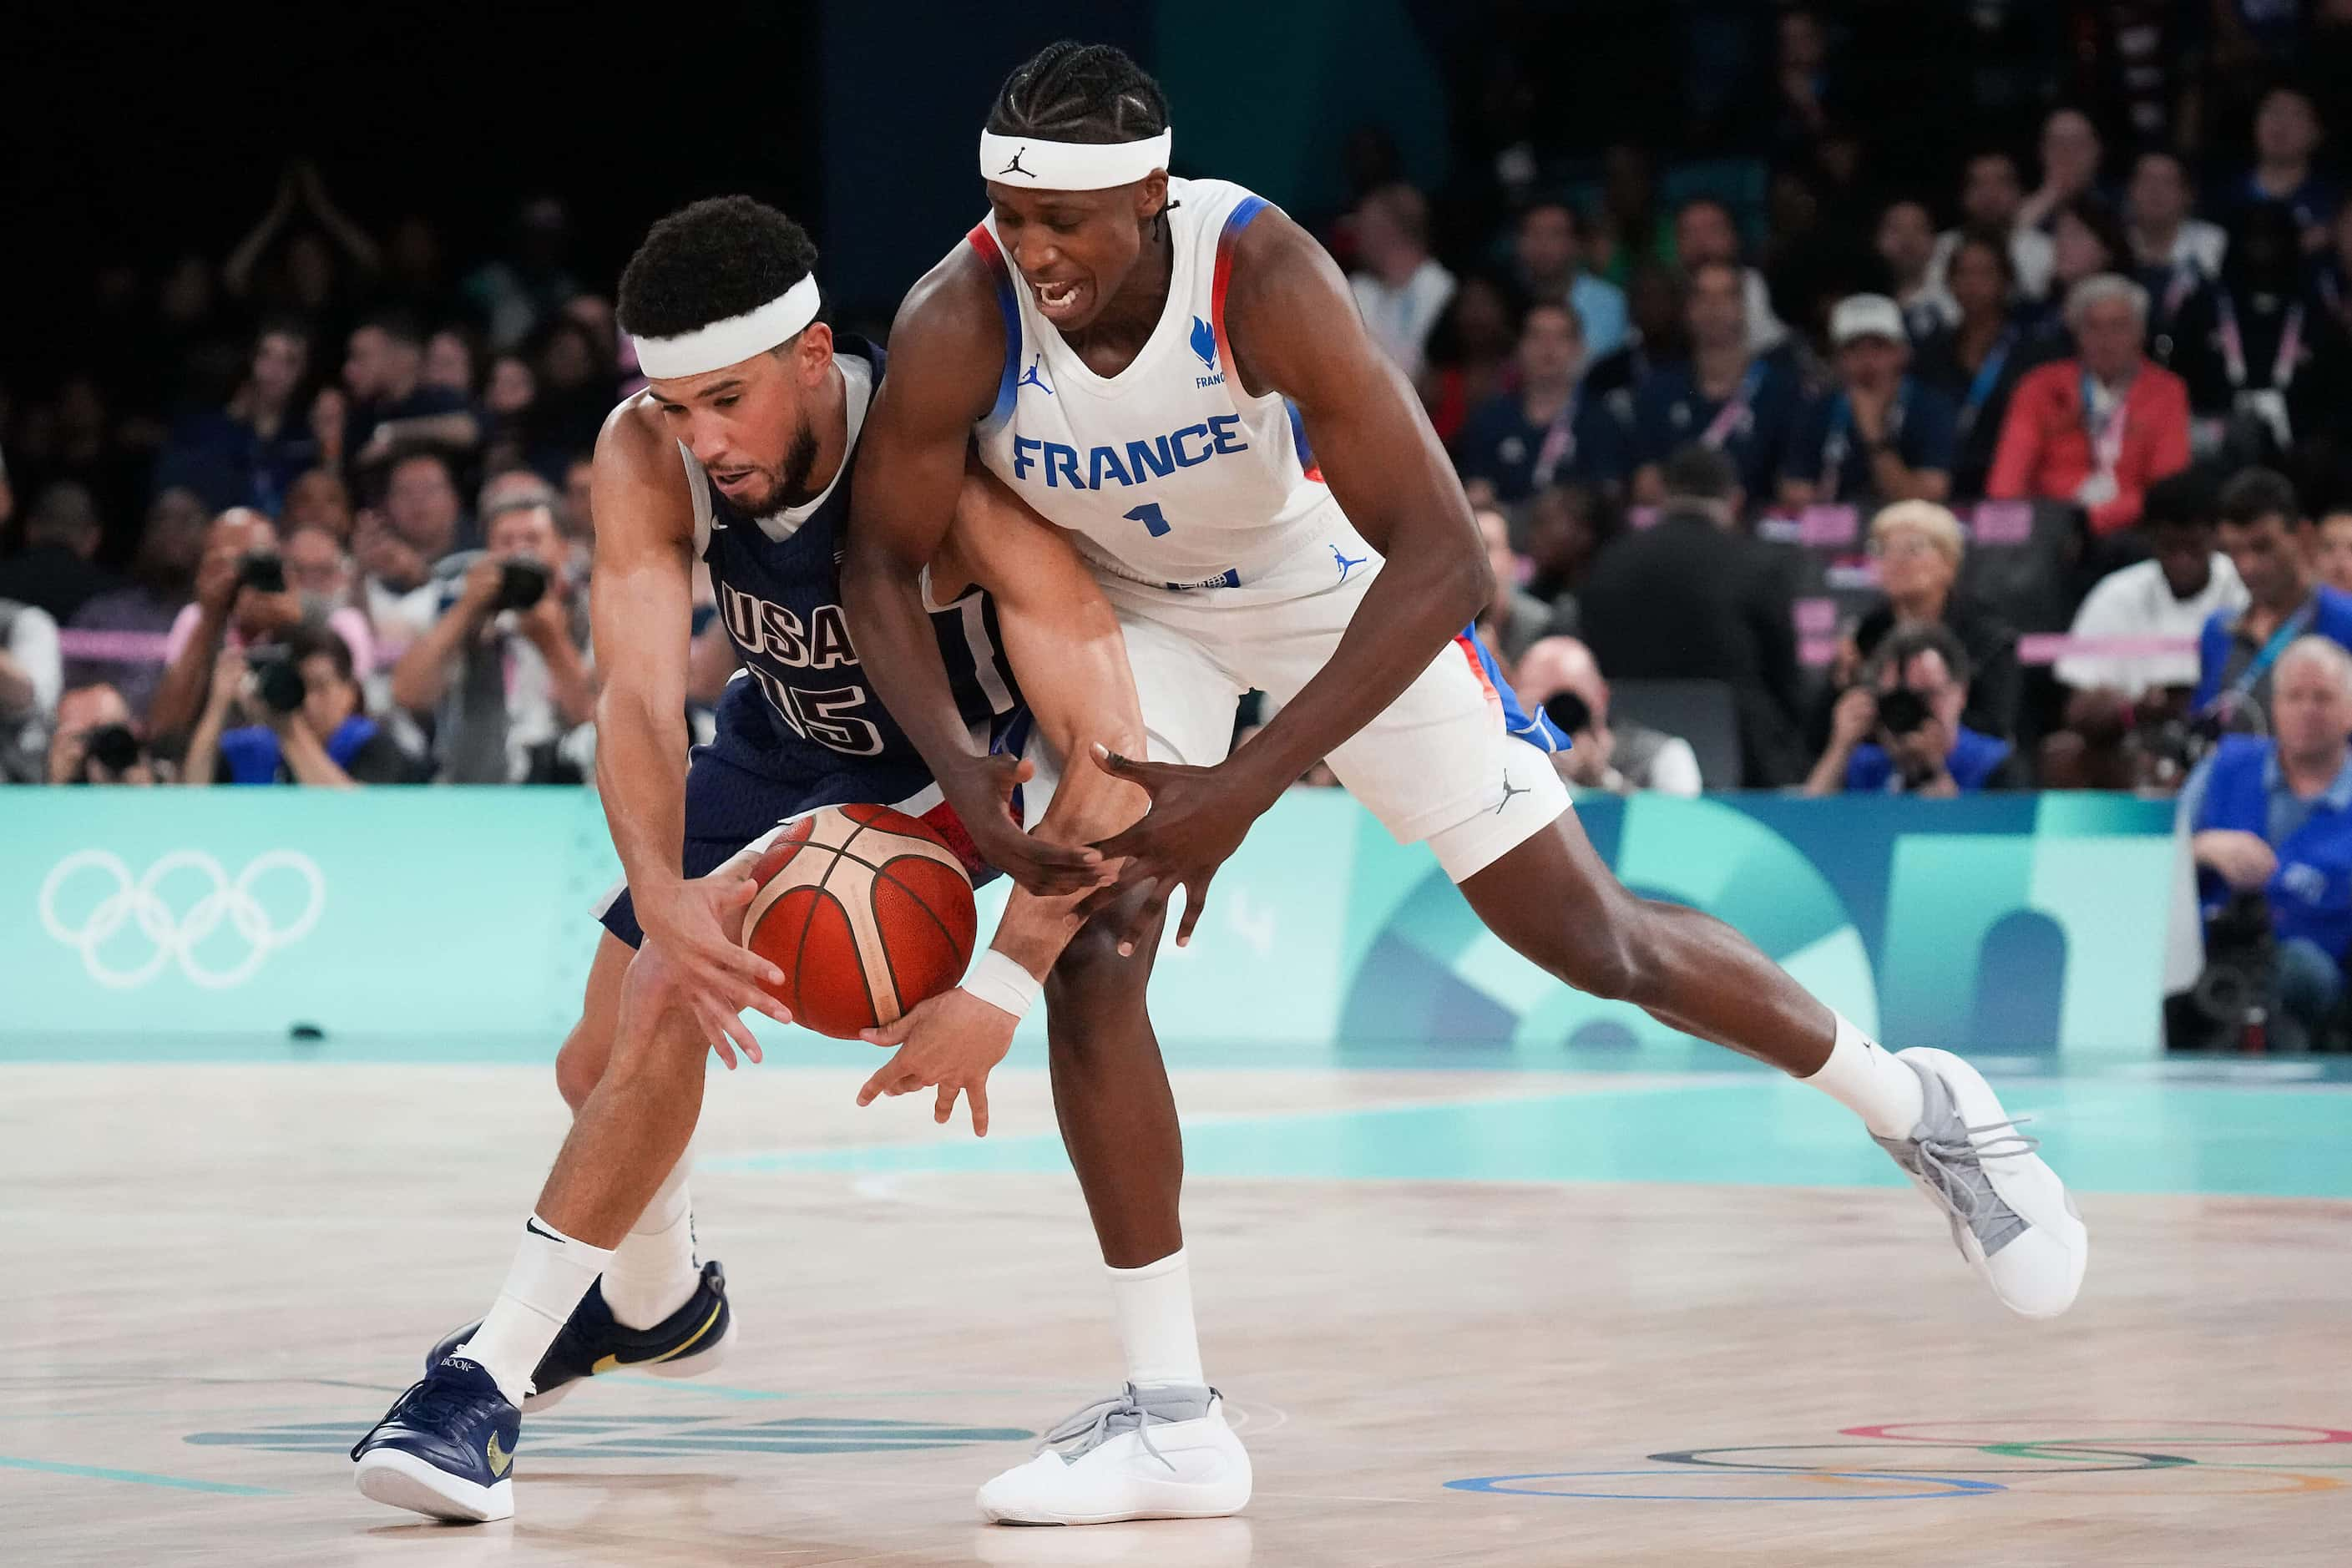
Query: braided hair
[{"x": 1070, "y": 92}]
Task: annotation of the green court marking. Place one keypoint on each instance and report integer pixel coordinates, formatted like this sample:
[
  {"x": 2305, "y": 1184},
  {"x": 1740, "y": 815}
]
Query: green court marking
[{"x": 138, "y": 1478}]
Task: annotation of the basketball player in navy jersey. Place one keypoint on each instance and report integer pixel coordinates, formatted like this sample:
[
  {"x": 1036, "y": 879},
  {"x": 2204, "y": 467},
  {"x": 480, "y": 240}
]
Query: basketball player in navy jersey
[
  {"x": 1263, "y": 501},
  {"x": 740, "y": 455}
]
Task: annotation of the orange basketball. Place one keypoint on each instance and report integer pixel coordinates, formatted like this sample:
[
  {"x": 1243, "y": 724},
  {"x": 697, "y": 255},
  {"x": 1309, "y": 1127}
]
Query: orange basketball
[{"x": 867, "y": 911}]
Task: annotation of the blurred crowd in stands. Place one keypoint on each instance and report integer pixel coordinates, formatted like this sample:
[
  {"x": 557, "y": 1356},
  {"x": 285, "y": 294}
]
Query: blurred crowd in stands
[{"x": 1803, "y": 460}]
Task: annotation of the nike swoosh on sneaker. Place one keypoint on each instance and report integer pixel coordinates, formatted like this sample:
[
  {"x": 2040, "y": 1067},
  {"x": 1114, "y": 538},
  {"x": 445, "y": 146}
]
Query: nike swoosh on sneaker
[
  {"x": 499, "y": 1459},
  {"x": 612, "y": 1363}
]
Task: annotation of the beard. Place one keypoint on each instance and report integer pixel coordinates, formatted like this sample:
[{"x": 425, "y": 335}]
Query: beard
[{"x": 790, "y": 485}]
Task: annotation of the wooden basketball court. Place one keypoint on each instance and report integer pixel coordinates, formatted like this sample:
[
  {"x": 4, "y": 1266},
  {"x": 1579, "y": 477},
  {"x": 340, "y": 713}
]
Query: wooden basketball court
[{"x": 1507, "y": 1318}]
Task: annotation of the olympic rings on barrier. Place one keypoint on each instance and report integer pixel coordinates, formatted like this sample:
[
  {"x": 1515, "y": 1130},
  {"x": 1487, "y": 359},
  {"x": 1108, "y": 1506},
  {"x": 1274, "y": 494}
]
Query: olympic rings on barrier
[{"x": 177, "y": 934}]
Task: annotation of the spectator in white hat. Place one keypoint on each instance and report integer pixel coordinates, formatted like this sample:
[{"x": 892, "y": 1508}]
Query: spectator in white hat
[{"x": 1880, "y": 436}]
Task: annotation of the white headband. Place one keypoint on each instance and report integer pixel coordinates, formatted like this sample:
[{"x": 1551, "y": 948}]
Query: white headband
[
  {"x": 732, "y": 341},
  {"x": 1028, "y": 163}
]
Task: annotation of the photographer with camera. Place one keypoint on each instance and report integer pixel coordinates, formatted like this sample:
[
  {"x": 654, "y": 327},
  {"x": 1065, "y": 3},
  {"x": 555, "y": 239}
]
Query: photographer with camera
[
  {"x": 1898, "y": 730},
  {"x": 292, "y": 714},
  {"x": 504, "y": 671},
  {"x": 95, "y": 743},
  {"x": 2270, "y": 824},
  {"x": 243, "y": 597}
]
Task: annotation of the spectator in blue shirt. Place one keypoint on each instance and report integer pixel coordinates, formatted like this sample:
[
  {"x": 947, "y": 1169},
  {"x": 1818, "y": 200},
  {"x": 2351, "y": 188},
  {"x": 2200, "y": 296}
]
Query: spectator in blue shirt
[
  {"x": 1549, "y": 257},
  {"x": 1548, "y": 430},
  {"x": 250, "y": 452},
  {"x": 1882, "y": 435},
  {"x": 2237, "y": 652},
  {"x": 1741, "y": 403},
  {"x": 2287, "y": 134},
  {"x": 1898, "y": 730},
  {"x": 2272, "y": 815},
  {"x": 391, "y": 408}
]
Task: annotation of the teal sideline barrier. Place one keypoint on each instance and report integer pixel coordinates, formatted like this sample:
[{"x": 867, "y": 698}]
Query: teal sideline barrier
[{"x": 454, "y": 923}]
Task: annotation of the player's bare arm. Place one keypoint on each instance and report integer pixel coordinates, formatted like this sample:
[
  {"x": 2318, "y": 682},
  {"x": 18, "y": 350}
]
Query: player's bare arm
[
  {"x": 948, "y": 349},
  {"x": 1065, "y": 647},
  {"x": 1294, "y": 329},
  {"x": 641, "y": 605}
]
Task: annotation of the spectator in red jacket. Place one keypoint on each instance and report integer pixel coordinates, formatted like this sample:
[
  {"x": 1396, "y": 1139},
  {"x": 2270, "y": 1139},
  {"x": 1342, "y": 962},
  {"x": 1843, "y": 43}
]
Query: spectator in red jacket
[{"x": 2098, "y": 428}]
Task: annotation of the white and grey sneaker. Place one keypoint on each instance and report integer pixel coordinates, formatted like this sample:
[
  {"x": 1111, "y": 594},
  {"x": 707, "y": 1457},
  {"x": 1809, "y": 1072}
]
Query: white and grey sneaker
[
  {"x": 1163, "y": 1452},
  {"x": 2010, "y": 1215}
]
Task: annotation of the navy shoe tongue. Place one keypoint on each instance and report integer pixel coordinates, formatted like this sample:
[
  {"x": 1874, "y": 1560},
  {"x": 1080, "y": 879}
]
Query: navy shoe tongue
[{"x": 471, "y": 1371}]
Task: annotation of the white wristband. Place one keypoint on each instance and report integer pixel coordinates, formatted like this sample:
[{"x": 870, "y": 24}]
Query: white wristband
[{"x": 1002, "y": 984}]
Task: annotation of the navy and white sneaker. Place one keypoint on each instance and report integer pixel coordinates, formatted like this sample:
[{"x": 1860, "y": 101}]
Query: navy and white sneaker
[
  {"x": 687, "y": 1344},
  {"x": 445, "y": 1448}
]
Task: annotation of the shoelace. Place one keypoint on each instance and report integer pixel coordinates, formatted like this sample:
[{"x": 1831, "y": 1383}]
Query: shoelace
[
  {"x": 423, "y": 1402},
  {"x": 1945, "y": 1161},
  {"x": 1093, "y": 1425}
]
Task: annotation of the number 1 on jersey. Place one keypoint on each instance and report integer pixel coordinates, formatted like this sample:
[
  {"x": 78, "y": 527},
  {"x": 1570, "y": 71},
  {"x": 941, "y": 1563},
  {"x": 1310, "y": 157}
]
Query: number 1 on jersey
[{"x": 1148, "y": 515}]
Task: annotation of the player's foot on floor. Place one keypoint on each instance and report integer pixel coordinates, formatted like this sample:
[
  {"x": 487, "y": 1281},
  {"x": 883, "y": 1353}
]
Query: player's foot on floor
[
  {"x": 445, "y": 1448},
  {"x": 1163, "y": 1452},
  {"x": 687, "y": 1344},
  {"x": 2010, "y": 1215}
]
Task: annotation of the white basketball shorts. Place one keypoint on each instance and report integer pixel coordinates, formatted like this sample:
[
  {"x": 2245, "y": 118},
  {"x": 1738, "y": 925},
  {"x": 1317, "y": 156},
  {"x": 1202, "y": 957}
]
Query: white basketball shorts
[{"x": 1452, "y": 761}]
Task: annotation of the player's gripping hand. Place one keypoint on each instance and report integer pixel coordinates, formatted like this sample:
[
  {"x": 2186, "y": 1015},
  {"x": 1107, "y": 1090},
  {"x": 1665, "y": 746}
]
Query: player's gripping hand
[
  {"x": 1198, "y": 818},
  {"x": 695, "y": 926},
  {"x": 951, "y": 1041},
  {"x": 980, "y": 790}
]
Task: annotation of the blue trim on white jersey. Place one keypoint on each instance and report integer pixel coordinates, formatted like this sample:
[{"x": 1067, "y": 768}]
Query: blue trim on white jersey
[
  {"x": 1539, "y": 732},
  {"x": 1008, "y": 384}
]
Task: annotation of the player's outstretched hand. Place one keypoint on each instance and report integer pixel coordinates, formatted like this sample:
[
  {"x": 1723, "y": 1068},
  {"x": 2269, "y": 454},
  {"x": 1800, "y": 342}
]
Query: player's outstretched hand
[
  {"x": 695, "y": 927},
  {"x": 952, "y": 1040},
  {"x": 980, "y": 790},
  {"x": 1198, "y": 818}
]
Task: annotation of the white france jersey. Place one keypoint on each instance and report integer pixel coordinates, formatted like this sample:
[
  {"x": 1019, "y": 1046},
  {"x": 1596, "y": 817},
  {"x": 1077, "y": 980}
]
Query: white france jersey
[{"x": 1170, "y": 473}]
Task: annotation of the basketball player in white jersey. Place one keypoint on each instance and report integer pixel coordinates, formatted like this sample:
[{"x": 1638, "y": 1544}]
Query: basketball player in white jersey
[{"x": 1126, "y": 352}]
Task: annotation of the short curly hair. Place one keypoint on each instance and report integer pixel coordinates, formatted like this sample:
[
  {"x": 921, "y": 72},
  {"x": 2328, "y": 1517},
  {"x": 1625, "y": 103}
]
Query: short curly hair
[{"x": 704, "y": 263}]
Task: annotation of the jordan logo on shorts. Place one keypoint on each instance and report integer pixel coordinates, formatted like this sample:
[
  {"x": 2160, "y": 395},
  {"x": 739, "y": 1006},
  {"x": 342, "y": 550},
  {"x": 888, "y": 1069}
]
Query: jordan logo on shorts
[
  {"x": 1347, "y": 563},
  {"x": 1510, "y": 789}
]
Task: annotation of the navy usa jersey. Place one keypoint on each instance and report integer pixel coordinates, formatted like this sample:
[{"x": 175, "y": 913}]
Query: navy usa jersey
[
  {"x": 778, "y": 581},
  {"x": 799, "y": 728}
]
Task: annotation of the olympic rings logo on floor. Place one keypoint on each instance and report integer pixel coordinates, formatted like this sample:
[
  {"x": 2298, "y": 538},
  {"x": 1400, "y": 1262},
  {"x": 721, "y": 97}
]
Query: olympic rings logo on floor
[
  {"x": 175, "y": 936},
  {"x": 2081, "y": 1455}
]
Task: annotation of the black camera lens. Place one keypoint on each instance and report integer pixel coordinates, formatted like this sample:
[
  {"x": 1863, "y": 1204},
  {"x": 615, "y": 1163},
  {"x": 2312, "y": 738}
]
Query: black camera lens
[
  {"x": 1902, "y": 710},
  {"x": 112, "y": 747},
  {"x": 277, "y": 681},
  {"x": 1568, "y": 710},
  {"x": 521, "y": 584},
  {"x": 263, "y": 571}
]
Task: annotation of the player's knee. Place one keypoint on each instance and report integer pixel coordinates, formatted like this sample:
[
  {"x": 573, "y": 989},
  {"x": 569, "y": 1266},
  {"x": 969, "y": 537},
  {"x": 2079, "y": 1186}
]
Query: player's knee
[
  {"x": 579, "y": 1065},
  {"x": 1602, "y": 964},
  {"x": 1608, "y": 958},
  {"x": 1090, "y": 969}
]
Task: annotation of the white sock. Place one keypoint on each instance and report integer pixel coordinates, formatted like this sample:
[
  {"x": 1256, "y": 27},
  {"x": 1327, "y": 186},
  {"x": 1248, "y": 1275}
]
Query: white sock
[
  {"x": 1154, "y": 1307},
  {"x": 653, "y": 1271},
  {"x": 551, "y": 1273},
  {"x": 1863, "y": 1077}
]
